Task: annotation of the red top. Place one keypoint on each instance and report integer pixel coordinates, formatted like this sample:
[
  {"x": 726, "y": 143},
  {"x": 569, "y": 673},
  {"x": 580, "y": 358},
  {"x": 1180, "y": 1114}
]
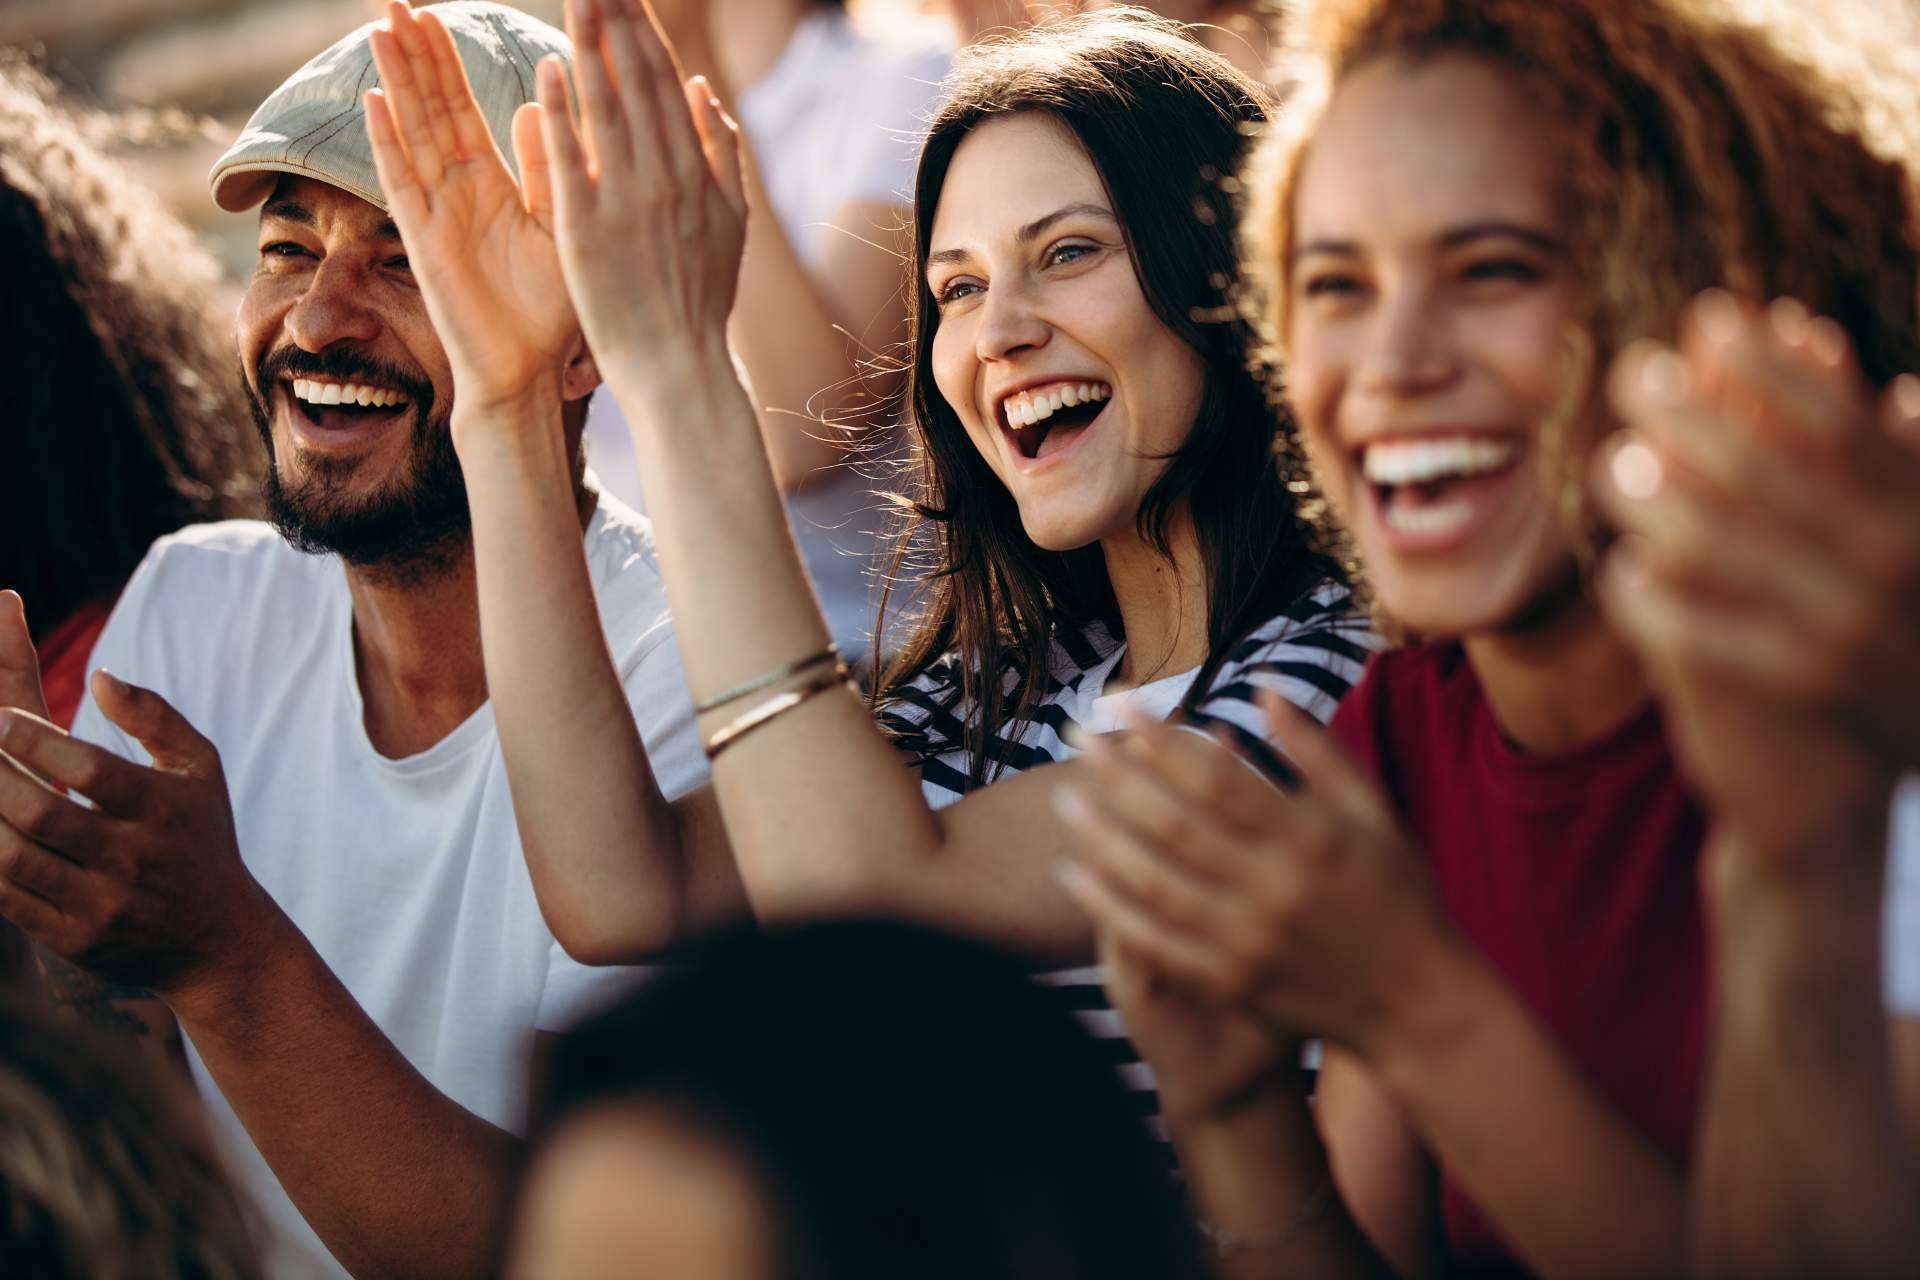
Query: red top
[
  {"x": 1574, "y": 874},
  {"x": 63, "y": 660}
]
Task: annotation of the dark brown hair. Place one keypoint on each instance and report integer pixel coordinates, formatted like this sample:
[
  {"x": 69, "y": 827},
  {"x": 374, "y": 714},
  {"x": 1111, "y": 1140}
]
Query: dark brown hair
[
  {"x": 1163, "y": 122},
  {"x": 127, "y": 416}
]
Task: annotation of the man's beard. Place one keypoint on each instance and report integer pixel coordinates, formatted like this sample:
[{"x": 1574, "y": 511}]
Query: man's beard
[{"x": 415, "y": 527}]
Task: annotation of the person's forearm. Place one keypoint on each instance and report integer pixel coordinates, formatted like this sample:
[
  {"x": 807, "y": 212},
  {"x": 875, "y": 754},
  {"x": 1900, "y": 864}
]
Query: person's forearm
[
  {"x": 393, "y": 1176},
  {"x": 1802, "y": 1168},
  {"x": 1260, "y": 1182},
  {"x": 822, "y": 815},
  {"x": 602, "y": 844},
  {"x": 1571, "y": 1186}
]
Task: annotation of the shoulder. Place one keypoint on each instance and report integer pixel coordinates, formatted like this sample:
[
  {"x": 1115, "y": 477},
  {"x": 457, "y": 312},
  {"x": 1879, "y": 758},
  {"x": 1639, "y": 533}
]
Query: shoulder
[
  {"x": 205, "y": 575},
  {"x": 1311, "y": 653}
]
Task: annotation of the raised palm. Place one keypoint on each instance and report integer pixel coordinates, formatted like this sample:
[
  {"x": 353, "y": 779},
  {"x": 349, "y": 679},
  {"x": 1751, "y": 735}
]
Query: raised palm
[{"x": 481, "y": 248}]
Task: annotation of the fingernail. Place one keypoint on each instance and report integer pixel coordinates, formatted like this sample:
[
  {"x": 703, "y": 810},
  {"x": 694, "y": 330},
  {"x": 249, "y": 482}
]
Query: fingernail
[
  {"x": 1663, "y": 377},
  {"x": 1717, "y": 316},
  {"x": 1827, "y": 341},
  {"x": 114, "y": 682},
  {"x": 1637, "y": 470},
  {"x": 1789, "y": 319},
  {"x": 1906, "y": 396},
  {"x": 1071, "y": 805}
]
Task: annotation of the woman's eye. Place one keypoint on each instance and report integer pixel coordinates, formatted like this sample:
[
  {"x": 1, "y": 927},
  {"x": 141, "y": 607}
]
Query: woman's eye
[
  {"x": 1329, "y": 285},
  {"x": 955, "y": 290},
  {"x": 1502, "y": 269},
  {"x": 1061, "y": 254}
]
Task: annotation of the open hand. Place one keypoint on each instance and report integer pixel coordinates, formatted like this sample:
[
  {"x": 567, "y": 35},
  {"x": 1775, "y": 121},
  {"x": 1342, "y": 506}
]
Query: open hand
[
  {"x": 483, "y": 252},
  {"x": 1771, "y": 576},
  {"x": 1310, "y": 909},
  {"x": 649, "y": 200},
  {"x": 147, "y": 887}
]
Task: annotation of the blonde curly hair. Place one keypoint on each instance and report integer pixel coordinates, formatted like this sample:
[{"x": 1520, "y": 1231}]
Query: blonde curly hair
[{"x": 1698, "y": 152}]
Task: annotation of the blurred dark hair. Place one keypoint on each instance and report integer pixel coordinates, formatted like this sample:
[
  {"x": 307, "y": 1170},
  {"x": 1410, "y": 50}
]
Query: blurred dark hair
[
  {"x": 1164, "y": 122},
  {"x": 105, "y": 1173},
  {"x": 124, "y": 397},
  {"x": 912, "y": 1105}
]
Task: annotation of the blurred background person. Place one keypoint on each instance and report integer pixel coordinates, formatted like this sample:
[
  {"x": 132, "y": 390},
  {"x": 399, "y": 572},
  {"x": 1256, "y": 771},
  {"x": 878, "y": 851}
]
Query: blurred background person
[
  {"x": 832, "y": 114},
  {"x": 847, "y": 1100},
  {"x": 129, "y": 417},
  {"x": 105, "y": 1172}
]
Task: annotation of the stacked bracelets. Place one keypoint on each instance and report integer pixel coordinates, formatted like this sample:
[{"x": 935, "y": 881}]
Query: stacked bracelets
[{"x": 780, "y": 703}]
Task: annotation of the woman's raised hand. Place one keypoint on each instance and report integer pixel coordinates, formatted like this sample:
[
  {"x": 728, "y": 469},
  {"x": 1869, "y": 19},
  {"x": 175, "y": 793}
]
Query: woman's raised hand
[
  {"x": 483, "y": 255},
  {"x": 1308, "y": 909},
  {"x": 1772, "y": 573},
  {"x": 649, "y": 200}
]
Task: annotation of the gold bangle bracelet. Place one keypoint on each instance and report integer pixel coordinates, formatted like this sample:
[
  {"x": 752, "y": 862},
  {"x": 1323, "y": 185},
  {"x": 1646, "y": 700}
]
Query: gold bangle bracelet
[
  {"x": 829, "y": 654},
  {"x": 773, "y": 708}
]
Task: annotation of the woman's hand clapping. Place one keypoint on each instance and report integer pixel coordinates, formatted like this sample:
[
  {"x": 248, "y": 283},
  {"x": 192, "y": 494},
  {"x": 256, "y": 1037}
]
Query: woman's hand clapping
[
  {"x": 650, "y": 207},
  {"x": 1308, "y": 909}
]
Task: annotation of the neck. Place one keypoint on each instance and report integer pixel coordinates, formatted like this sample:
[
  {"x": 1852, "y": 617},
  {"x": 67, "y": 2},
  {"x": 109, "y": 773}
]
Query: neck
[
  {"x": 1163, "y": 603},
  {"x": 416, "y": 648},
  {"x": 745, "y": 38},
  {"x": 1561, "y": 683}
]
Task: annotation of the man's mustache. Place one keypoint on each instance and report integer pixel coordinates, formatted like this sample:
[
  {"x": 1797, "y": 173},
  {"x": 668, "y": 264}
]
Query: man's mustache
[{"x": 342, "y": 364}]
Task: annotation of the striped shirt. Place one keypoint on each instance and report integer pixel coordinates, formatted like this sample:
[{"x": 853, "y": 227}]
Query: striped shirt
[{"x": 1311, "y": 653}]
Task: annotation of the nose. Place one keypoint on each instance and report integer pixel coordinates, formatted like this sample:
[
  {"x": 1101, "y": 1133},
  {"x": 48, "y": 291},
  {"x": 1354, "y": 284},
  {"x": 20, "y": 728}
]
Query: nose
[
  {"x": 1407, "y": 350},
  {"x": 332, "y": 309},
  {"x": 1009, "y": 324}
]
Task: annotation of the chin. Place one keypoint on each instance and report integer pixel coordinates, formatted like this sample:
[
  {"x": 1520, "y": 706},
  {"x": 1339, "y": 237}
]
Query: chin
[
  {"x": 1445, "y": 606},
  {"x": 1062, "y": 531}
]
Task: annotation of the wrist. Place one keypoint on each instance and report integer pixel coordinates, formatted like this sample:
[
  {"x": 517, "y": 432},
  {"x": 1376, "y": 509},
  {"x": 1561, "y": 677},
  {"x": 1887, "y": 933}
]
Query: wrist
[
  {"x": 671, "y": 378},
  {"x": 219, "y": 994},
  {"x": 479, "y": 410},
  {"x": 1448, "y": 997}
]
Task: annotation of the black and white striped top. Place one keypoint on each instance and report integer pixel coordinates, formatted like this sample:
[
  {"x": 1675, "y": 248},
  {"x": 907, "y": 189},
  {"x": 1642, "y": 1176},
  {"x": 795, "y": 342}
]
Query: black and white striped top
[{"x": 1311, "y": 654}]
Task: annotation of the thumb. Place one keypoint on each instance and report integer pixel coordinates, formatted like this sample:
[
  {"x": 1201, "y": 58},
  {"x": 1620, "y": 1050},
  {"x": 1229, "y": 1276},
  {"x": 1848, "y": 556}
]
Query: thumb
[
  {"x": 19, "y": 664},
  {"x": 1901, "y": 411},
  {"x": 146, "y": 717}
]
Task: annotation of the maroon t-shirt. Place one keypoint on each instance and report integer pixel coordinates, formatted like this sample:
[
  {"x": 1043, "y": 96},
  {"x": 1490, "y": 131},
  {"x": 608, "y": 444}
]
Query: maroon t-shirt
[{"x": 1574, "y": 874}]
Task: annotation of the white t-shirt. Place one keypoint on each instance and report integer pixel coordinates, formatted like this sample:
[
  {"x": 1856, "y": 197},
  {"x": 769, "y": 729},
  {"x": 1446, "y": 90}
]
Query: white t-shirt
[
  {"x": 406, "y": 875},
  {"x": 838, "y": 120}
]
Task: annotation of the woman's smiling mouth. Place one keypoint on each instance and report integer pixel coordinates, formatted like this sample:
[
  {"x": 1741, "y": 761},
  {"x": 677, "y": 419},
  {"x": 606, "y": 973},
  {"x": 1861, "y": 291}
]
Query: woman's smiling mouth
[
  {"x": 1043, "y": 419},
  {"x": 1432, "y": 492}
]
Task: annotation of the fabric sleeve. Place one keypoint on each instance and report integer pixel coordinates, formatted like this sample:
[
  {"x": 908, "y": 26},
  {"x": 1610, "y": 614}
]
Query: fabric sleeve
[
  {"x": 904, "y": 92},
  {"x": 1901, "y": 931},
  {"x": 1311, "y": 656},
  {"x": 119, "y": 651}
]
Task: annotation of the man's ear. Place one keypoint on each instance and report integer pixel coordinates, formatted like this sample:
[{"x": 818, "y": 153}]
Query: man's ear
[{"x": 581, "y": 375}]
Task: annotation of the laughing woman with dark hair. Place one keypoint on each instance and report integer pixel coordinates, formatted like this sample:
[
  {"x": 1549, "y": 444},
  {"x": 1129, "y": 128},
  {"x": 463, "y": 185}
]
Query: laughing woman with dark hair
[
  {"x": 127, "y": 417},
  {"x": 1096, "y": 471}
]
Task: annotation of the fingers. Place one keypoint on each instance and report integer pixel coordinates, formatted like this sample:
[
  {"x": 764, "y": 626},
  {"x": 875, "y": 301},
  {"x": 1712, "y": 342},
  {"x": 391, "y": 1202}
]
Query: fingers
[
  {"x": 19, "y": 664},
  {"x": 412, "y": 89},
  {"x": 603, "y": 118},
  {"x": 38, "y": 812},
  {"x": 536, "y": 171},
  {"x": 566, "y": 159},
  {"x": 406, "y": 195},
  {"x": 32, "y": 913},
  {"x": 636, "y": 22},
  {"x": 1688, "y": 638},
  {"x": 116, "y": 785},
  {"x": 471, "y": 136},
  {"x": 1325, "y": 770},
  {"x": 175, "y": 745},
  {"x": 1791, "y": 374},
  {"x": 29, "y": 868},
  {"x": 1138, "y": 863},
  {"x": 1129, "y": 925},
  {"x": 719, "y": 143}
]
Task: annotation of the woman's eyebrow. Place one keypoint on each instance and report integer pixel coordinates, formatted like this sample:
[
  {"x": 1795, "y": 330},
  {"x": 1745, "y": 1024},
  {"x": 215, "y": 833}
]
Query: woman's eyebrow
[
  {"x": 1032, "y": 230},
  {"x": 1451, "y": 238}
]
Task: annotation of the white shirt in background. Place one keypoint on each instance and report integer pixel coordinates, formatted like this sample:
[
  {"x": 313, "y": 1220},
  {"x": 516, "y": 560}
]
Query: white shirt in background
[{"x": 837, "y": 120}]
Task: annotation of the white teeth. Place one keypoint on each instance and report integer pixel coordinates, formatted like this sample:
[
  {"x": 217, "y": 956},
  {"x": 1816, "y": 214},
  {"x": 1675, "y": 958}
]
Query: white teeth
[
  {"x": 1428, "y": 518},
  {"x": 1424, "y": 459},
  {"x": 1025, "y": 408},
  {"x": 315, "y": 392}
]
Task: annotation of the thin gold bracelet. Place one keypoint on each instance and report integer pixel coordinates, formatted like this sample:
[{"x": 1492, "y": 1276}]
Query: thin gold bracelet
[
  {"x": 829, "y": 654},
  {"x": 773, "y": 708}
]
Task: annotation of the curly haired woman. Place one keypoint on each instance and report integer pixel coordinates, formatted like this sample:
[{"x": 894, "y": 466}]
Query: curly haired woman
[{"x": 1489, "y": 904}]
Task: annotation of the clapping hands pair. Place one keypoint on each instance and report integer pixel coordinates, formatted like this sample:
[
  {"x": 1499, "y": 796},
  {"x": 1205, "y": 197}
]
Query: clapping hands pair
[{"x": 621, "y": 238}]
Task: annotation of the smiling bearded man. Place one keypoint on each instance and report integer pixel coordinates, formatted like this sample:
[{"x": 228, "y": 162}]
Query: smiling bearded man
[{"x": 301, "y": 838}]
